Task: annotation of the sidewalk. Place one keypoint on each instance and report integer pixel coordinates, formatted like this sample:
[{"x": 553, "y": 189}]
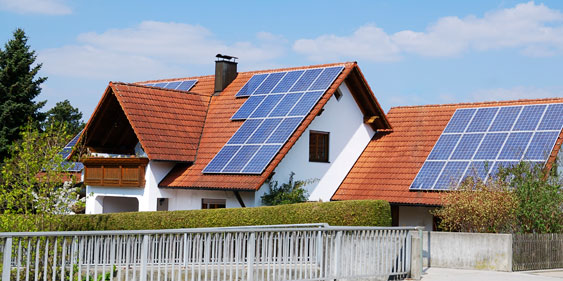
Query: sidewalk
[{"x": 447, "y": 274}]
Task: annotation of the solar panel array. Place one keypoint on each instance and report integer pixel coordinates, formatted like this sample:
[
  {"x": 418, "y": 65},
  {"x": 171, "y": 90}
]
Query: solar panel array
[
  {"x": 184, "y": 85},
  {"x": 74, "y": 166},
  {"x": 477, "y": 141},
  {"x": 277, "y": 103}
]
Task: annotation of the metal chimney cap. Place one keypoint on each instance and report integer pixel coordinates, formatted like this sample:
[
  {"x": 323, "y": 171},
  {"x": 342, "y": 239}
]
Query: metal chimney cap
[{"x": 226, "y": 57}]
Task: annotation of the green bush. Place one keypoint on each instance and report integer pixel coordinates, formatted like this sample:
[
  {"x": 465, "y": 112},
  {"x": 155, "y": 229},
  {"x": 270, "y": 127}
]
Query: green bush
[{"x": 348, "y": 213}]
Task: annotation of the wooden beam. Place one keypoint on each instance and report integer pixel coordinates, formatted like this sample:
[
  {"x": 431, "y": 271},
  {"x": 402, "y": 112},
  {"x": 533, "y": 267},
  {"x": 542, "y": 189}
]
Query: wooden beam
[{"x": 370, "y": 119}]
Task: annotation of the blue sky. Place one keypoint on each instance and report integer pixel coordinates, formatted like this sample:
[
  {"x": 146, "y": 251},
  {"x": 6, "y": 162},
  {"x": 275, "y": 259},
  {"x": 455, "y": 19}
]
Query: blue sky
[{"x": 411, "y": 52}]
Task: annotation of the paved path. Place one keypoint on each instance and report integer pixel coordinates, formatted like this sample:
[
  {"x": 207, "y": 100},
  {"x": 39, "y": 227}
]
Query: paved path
[{"x": 447, "y": 274}]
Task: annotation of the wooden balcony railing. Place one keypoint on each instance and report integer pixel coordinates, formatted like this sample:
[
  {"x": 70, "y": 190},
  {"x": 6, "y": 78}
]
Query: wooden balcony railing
[{"x": 123, "y": 172}]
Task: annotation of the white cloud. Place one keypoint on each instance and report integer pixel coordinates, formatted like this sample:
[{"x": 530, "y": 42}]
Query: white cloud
[
  {"x": 46, "y": 7},
  {"x": 519, "y": 92},
  {"x": 151, "y": 50},
  {"x": 534, "y": 29}
]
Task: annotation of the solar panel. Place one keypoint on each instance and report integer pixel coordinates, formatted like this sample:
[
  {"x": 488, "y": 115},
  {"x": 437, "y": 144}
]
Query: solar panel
[
  {"x": 477, "y": 141},
  {"x": 181, "y": 85},
  {"x": 277, "y": 104}
]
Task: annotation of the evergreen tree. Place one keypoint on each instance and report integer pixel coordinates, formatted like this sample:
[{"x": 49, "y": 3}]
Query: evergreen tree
[
  {"x": 64, "y": 113},
  {"x": 18, "y": 89}
]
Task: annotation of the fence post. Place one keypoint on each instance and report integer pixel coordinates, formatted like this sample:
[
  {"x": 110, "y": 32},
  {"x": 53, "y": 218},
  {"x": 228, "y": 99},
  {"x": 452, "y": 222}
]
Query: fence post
[
  {"x": 7, "y": 265},
  {"x": 144, "y": 258},
  {"x": 337, "y": 253},
  {"x": 416, "y": 256},
  {"x": 250, "y": 249}
]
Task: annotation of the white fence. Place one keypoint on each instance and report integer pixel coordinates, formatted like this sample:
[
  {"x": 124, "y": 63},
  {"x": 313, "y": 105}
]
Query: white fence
[{"x": 292, "y": 252}]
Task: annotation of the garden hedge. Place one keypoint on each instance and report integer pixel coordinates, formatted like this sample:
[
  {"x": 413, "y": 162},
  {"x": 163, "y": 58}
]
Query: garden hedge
[{"x": 346, "y": 213}]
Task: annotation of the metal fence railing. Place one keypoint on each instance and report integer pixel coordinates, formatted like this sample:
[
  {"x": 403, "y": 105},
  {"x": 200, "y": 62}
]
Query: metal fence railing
[
  {"x": 537, "y": 251},
  {"x": 290, "y": 252}
]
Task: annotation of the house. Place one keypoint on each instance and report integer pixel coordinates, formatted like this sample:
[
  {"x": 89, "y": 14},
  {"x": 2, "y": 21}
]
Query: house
[
  {"x": 217, "y": 141},
  {"x": 157, "y": 148},
  {"x": 389, "y": 165}
]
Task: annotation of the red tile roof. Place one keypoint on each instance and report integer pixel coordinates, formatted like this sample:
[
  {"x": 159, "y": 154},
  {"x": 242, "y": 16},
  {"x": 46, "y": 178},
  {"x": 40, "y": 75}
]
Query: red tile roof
[
  {"x": 390, "y": 162},
  {"x": 167, "y": 123},
  {"x": 219, "y": 128}
]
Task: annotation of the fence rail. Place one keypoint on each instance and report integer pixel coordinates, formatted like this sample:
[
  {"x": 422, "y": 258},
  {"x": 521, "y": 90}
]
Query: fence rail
[
  {"x": 292, "y": 252},
  {"x": 537, "y": 251}
]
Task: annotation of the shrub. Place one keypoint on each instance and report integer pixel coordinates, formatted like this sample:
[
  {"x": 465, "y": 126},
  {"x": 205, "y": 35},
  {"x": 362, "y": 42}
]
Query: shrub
[
  {"x": 476, "y": 206},
  {"x": 352, "y": 213},
  {"x": 286, "y": 193}
]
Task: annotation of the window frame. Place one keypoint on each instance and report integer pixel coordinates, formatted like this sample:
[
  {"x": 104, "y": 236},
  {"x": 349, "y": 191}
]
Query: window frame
[
  {"x": 213, "y": 203},
  {"x": 314, "y": 148}
]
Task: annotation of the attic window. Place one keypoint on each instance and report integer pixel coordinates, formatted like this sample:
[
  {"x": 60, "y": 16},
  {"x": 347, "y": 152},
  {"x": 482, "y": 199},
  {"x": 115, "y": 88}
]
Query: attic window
[
  {"x": 318, "y": 146},
  {"x": 338, "y": 94}
]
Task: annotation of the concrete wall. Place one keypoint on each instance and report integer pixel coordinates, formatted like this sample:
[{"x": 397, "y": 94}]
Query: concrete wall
[
  {"x": 481, "y": 251},
  {"x": 348, "y": 138}
]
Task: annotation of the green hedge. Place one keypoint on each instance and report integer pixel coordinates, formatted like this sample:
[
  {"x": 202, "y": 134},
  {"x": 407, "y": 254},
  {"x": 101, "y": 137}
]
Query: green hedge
[{"x": 350, "y": 213}]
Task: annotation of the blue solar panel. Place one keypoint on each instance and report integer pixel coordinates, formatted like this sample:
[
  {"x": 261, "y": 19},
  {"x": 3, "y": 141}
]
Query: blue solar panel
[
  {"x": 326, "y": 78},
  {"x": 221, "y": 159},
  {"x": 428, "y": 175},
  {"x": 287, "y": 82},
  {"x": 266, "y": 106},
  {"x": 491, "y": 145},
  {"x": 172, "y": 85},
  {"x": 492, "y": 137},
  {"x": 245, "y": 131},
  {"x": 160, "y": 85},
  {"x": 541, "y": 145},
  {"x": 478, "y": 170},
  {"x": 529, "y": 118},
  {"x": 451, "y": 175},
  {"x": 272, "y": 113},
  {"x": 444, "y": 147},
  {"x": 306, "y": 80},
  {"x": 467, "y": 146},
  {"x": 248, "y": 107},
  {"x": 306, "y": 103},
  {"x": 258, "y": 163},
  {"x": 251, "y": 85},
  {"x": 150, "y": 84},
  {"x": 186, "y": 85},
  {"x": 285, "y": 105},
  {"x": 240, "y": 159},
  {"x": 553, "y": 118},
  {"x": 515, "y": 146},
  {"x": 505, "y": 118},
  {"x": 269, "y": 83},
  {"x": 285, "y": 129},
  {"x": 459, "y": 120},
  {"x": 482, "y": 119},
  {"x": 263, "y": 132}
]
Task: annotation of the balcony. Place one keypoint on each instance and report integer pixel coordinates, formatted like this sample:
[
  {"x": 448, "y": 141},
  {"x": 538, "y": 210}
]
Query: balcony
[{"x": 118, "y": 172}]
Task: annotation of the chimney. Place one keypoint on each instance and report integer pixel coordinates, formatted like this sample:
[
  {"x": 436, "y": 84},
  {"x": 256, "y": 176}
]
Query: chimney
[{"x": 225, "y": 71}]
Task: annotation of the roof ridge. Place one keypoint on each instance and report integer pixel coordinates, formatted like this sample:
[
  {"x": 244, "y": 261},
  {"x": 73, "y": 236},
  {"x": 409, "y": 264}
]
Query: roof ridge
[
  {"x": 250, "y": 72},
  {"x": 157, "y": 88},
  {"x": 479, "y": 103}
]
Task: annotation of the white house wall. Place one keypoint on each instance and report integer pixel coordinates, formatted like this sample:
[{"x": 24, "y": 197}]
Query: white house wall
[{"x": 348, "y": 136}]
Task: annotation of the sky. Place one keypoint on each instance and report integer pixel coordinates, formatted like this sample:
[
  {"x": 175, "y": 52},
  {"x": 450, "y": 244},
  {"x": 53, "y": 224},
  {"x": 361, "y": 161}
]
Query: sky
[{"x": 411, "y": 52}]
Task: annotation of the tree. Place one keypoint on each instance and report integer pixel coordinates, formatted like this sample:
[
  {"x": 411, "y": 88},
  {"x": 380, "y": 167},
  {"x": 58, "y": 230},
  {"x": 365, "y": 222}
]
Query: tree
[
  {"x": 64, "y": 113},
  {"x": 18, "y": 89},
  {"x": 34, "y": 187},
  {"x": 286, "y": 193},
  {"x": 539, "y": 194}
]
